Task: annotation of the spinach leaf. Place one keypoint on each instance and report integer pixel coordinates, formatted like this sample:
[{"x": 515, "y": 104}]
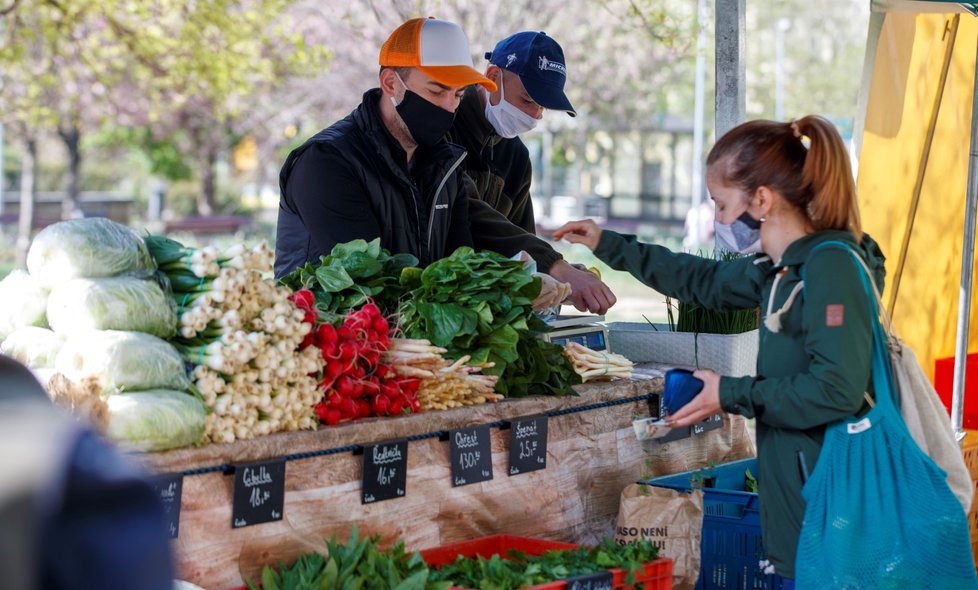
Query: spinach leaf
[{"x": 480, "y": 304}]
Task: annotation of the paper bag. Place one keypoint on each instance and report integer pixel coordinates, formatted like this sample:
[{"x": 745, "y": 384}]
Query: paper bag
[{"x": 672, "y": 520}]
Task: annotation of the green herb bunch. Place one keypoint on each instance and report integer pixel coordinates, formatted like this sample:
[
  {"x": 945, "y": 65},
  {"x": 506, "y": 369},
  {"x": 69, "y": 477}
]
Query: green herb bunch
[
  {"x": 521, "y": 570},
  {"x": 690, "y": 317},
  {"x": 353, "y": 273},
  {"x": 481, "y": 304},
  {"x": 359, "y": 564}
]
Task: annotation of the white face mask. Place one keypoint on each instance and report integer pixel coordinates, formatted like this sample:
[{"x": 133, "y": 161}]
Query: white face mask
[
  {"x": 743, "y": 235},
  {"x": 506, "y": 119}
]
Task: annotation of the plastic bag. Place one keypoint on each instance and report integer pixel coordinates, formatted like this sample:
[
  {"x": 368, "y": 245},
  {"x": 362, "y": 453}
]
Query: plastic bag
[
  {"x": 35, "y": 347},
  {"x": 22, "y": 303},
  {"x": 122, "y": 361},
  {"x": 118, "y": 303},
  {"x": 155, "y": 420},
  {"x": 93, "y": 247}
]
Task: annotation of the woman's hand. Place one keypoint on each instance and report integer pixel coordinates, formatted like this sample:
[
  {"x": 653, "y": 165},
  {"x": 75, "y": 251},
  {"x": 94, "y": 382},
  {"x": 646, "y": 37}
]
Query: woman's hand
[
  {"x": 704, "y": 405},
  {"x": 580, "y": 232}
]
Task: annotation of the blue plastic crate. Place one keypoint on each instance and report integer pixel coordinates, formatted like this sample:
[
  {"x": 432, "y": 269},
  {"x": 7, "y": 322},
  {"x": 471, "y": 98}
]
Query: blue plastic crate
[{"x": 731, "y": 545}]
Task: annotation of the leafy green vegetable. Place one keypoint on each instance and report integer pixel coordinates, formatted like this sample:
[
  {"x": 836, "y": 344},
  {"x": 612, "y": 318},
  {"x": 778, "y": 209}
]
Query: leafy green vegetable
[
  {"x": 359, "y": 564},
  {"x": 481, "y": 304},
  {"x": 122, "y": 361},
  {"x": 352, "y": 274},
  {"x": 155, "y": 420},
  {"x": 750, "y": 482},
  {"x": 22, "y": 303},
  {"x": 521, "y": 570},
  {"x": 115, "y": 303},
  {"x": 33, "y": 346},
  {"x": 91, "y": 247}
]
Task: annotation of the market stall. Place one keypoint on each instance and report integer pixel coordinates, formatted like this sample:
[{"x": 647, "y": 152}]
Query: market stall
[
  {"x": 591, "y": 454},
  {"x": 428, "y": 406}
]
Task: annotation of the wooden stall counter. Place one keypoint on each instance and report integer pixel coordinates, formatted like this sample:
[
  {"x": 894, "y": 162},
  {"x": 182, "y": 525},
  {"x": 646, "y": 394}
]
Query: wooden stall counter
[{"x": 592, "y": 453}]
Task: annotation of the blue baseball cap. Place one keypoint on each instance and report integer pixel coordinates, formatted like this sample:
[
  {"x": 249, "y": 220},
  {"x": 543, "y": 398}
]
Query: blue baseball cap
[{"x": 539, "y": 62}]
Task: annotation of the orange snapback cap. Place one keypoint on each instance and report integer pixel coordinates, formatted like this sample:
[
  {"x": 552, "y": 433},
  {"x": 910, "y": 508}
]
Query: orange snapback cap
[{"x": 436, "y": 47}]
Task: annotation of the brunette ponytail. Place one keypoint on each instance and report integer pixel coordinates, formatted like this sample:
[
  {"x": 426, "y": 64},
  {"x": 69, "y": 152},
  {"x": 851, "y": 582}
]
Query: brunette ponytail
[{"x": 828, "y": 172}]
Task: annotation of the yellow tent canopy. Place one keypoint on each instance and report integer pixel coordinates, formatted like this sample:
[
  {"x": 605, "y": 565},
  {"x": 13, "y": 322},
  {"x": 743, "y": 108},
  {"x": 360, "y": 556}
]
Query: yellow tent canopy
[{"x": 913, "y": 174}]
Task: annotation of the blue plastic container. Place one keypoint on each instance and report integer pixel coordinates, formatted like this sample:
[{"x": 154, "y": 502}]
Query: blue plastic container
[{"x": 731, "y": 545}]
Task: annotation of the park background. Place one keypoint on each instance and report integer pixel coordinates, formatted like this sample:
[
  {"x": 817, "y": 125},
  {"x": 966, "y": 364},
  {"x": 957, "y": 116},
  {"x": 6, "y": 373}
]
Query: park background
[{"x": 176, "y": 115}]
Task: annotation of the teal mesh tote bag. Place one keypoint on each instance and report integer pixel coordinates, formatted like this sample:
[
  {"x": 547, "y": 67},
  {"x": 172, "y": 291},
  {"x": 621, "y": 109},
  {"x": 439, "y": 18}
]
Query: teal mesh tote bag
[{"x": 879, "y": 513}]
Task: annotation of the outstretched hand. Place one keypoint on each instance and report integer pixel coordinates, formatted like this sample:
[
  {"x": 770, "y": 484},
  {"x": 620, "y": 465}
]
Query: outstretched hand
[
  {"x": 588, "y": 292},
  {"x": 580, "y": 232}
]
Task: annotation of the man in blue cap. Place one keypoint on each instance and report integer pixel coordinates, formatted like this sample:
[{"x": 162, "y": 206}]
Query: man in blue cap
[{"x": 529, "y": 71}]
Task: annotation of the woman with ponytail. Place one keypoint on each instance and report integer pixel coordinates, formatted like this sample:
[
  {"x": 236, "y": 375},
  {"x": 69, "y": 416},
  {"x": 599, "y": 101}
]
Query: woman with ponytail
[{"x": 780, "y": 190}]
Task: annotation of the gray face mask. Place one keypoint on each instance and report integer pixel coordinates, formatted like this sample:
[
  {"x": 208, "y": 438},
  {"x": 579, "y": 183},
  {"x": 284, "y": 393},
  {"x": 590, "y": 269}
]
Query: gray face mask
[{"x": 743, "y": 235}]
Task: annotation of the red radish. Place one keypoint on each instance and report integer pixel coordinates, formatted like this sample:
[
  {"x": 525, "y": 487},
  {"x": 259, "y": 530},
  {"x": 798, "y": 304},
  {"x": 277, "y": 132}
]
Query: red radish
[
  {"x": 380, "y": 405},
  {"x": 304, "y": 299}
]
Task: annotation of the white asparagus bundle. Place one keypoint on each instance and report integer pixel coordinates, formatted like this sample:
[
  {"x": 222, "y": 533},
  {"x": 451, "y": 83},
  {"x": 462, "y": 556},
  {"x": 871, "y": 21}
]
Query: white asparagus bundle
[
  {"x": 443, "y": 384},
  {"x": 593, "y": 365}
]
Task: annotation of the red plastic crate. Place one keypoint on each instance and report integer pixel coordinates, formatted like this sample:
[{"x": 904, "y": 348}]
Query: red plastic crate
[
  {"x": 488, "y": 546},
  {"x": 944, "y": 384},
  {"x": 654, "y": 576}
]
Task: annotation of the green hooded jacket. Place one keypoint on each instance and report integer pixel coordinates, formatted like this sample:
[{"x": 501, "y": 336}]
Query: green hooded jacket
[{"x": 812, "y": 369}]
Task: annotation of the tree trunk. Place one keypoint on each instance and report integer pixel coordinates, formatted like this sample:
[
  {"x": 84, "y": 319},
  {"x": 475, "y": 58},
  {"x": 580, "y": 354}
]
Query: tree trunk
[
  {"x": 25, "y": 222},
  {"x": 71, "y": 135},
  {"x": 206, "y": 198}
]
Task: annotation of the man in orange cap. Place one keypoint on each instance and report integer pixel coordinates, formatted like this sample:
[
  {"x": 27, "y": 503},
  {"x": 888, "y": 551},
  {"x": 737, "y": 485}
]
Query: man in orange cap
[{"x": 385, "y": 170}]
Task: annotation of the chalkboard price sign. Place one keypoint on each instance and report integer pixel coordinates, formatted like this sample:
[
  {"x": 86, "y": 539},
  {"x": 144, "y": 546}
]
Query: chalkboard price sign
[
  {"x": 384, "y": 471},
  {"x": 169, "y": 489},
  {"x": 259, "y": 493},
  {"x": 596, "y": 581},
  {"x": 527, "y": 445},
  {"x": 712, "y": 423},
  {"x": 471, "y": 455}
]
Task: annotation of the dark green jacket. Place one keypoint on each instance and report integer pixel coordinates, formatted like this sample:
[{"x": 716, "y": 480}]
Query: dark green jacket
[{"x": 811, "y": 372}]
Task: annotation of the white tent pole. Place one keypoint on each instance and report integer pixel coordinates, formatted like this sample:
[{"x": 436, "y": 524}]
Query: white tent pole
[{"x": 967, "y": 263}]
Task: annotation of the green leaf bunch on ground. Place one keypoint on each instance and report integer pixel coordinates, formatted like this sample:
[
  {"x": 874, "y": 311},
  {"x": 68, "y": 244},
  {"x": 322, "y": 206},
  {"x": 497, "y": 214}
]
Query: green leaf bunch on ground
[
  {"x": 481, "y": 304},
  {"x": 357, "y": 565},
  {"x": 520, "y": 570}
]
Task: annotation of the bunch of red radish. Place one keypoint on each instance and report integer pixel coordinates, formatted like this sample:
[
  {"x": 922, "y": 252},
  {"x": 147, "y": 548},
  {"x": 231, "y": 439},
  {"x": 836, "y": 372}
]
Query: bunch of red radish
[{"x": 355, "y": 383}]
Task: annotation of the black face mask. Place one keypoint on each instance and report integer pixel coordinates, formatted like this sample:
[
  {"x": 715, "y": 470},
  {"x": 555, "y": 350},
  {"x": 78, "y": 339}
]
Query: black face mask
[{"x": 426, "y": 121}]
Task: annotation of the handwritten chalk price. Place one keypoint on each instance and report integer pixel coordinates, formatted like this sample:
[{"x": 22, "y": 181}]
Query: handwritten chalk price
[
  {"x": 384, "y": 471},
  {"x": 259, "y": 493},
  {"x": 471, "y": 455},
  {"x": 527, "y": 445},
  {"x": 169, "y": 490},
  {"x": 596, "y": 581}
]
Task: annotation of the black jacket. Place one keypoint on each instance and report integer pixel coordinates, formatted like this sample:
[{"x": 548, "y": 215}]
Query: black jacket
[
  {"x": 498, "y": 174},
  {"x": 352, "y": 180}
]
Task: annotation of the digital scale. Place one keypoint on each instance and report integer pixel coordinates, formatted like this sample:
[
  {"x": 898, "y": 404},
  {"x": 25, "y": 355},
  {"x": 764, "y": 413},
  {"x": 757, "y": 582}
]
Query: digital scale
[{"x": 583, "y": 329}]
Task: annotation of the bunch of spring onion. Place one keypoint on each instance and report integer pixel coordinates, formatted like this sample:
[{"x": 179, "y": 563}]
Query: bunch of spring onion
[
  {"x": 593, "y": 365},
  {"x": 443, "y": 384},
  {"x": 242, "y": 334}
]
